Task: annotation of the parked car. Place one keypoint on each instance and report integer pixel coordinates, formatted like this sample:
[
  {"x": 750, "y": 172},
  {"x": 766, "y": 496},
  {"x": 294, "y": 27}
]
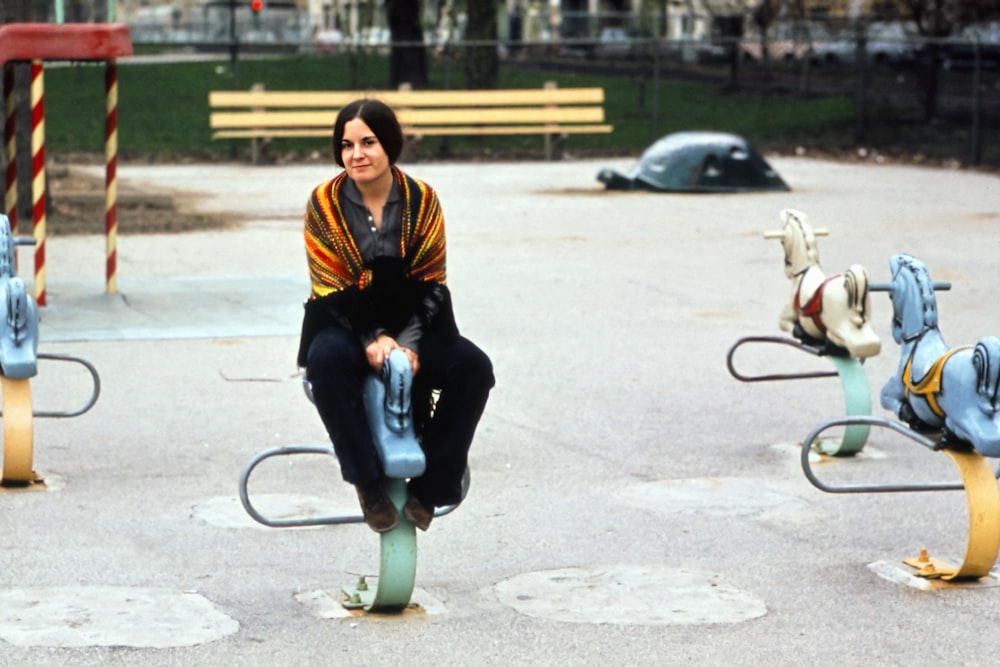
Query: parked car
[
  {"x": 613, "y": 43},
  {"x": 328, "y": 41},
  {"x": 960, "y": 52},
  {"x": 786, "y": 42},
  {"x": 887, "y": 43}
]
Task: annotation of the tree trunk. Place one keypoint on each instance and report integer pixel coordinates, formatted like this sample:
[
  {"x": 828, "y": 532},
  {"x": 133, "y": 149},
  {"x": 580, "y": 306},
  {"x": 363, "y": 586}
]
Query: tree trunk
[
  {"x": 482, "y": 62},
  {"x": 928, "y": 76},
  {"x": 408, "y": 58}
]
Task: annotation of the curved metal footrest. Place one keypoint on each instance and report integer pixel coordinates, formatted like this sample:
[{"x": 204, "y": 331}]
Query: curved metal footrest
[
  {"x": 857, "y": 394},
  {"x": 93, "y": 396},
  {"x": 774, "y": 340},
  {"x": 288, "y": 523},
  {"x": 982, "y": 494},
  {"x": 874, "y": 488}
]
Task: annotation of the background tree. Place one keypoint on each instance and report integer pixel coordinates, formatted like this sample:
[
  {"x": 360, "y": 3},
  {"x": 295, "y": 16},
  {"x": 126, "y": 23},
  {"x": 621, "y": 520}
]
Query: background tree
[
  {"x": 937, "y": 20},
  {"x": 408, "y": 57},
  {"x": 933, "y": 20},
  {"x": 763, "y": 16},
  {"x": 482, "y": 62}
]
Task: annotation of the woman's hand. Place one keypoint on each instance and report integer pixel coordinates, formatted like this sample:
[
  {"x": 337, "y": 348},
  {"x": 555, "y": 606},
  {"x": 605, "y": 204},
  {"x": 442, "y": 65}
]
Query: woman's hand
[{"x": 379, "y": 351}]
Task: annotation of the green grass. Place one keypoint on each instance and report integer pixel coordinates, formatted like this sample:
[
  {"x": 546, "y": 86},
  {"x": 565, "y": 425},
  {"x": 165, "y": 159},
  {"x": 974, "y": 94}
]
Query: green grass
[{"x": 163, "y": 109}]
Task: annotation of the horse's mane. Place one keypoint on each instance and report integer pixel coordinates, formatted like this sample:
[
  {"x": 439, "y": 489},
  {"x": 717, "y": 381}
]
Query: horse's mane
[
  {"x": 805, "y": 232},
  {"x": 988, "y": 375},
  {"x": 856, "y": 286},
  {"x": 925, "y": 287}
]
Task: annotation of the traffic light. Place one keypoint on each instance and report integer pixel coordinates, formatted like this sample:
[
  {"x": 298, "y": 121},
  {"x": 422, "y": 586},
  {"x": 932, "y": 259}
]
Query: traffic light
[{"x": 256, "y": 6}]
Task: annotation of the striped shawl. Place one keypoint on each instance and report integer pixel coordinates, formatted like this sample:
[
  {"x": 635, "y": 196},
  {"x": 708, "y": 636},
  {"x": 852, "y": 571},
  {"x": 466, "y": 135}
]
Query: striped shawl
[
  {"x": 334, "y": 260},
  {"x": 386, "y": 294}
]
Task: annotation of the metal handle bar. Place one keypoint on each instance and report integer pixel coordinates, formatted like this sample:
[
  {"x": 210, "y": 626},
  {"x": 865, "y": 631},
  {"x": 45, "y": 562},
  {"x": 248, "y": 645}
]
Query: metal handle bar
[
  {"x": 86, "y": 406},
  {"x": 877, "y": 488},
  {"x": 791, "y": 342},
  {"x": 780, "y": 233},
  {"x": 317, "y": 520},
  {"x": 887, "y": 287}
]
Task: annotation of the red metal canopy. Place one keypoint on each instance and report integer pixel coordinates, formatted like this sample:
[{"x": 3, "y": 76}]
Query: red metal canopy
[{"x": 64, "y": 41}]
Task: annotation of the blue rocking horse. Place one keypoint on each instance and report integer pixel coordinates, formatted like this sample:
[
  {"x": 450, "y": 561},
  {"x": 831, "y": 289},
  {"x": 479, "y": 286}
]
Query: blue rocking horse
[
  {"x": 19, "y": 358},
  {"x": 937, "y": 388},
  {"x": 948, "y": 400}
]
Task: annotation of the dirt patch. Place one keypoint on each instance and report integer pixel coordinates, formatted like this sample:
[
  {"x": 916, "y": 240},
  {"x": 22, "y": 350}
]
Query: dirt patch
[{"x": 76, "y": 205}]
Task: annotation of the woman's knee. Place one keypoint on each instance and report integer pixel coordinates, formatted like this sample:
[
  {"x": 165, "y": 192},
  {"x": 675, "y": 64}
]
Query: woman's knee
[
  {"x": 333, "y": 352},
  {"x": 476, "y": 368}
]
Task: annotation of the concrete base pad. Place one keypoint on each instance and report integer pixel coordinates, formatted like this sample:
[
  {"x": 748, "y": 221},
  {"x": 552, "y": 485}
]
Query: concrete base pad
[
  {"x": 109, "y": 616},
  {"x": 899, "y": 572},
  {"x": 629, "y": 595}
]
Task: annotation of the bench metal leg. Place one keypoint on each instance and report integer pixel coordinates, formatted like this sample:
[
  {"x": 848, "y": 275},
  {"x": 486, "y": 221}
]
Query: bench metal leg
[{"x": 554, "y": 146}]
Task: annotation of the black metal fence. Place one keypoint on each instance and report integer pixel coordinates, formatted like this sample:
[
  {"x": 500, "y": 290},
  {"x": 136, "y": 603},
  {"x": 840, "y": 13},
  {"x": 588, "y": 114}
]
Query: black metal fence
[{"x": 893, "y": 81}]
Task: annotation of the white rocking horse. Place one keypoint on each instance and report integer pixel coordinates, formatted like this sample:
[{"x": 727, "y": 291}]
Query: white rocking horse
[{"x": 830, "y": 312}]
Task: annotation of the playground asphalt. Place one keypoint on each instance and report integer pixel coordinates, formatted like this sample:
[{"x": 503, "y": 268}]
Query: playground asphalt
[{"x": 631, "y": 502}]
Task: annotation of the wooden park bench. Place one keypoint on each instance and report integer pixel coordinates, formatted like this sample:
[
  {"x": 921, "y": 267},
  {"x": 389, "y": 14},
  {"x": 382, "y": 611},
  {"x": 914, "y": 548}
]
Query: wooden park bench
[{"x": 552, "y": 112}]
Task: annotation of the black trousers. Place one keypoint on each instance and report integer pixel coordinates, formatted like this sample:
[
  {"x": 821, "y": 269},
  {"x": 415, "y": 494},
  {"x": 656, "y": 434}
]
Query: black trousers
[{"x": 336, "y": 368}]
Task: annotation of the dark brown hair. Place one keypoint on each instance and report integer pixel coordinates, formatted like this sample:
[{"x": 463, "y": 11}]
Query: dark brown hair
[{"x": 379, "y": 117}]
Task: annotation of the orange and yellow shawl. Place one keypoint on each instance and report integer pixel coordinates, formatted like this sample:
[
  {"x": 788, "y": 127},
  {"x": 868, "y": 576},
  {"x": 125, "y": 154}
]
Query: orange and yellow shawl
[
  {"x": 349, "y": 294},
  {"x": 334, "y": 261}
]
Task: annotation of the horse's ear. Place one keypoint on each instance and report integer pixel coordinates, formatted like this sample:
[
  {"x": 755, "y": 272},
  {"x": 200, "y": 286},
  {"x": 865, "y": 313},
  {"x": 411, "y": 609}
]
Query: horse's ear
[{"x": 787, "y": 214}]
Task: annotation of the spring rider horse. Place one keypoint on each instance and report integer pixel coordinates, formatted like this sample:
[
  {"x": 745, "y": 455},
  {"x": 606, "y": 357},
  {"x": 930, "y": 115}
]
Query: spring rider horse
[
  {"x": 828, "y": 312},
  {"x": 948, "y": 399},
  {"x": 19, "y": 359},
  {"x": 389, "y": 413},
  {"x": 937, "y": 388},
  {"x": 827, "y": 316}
]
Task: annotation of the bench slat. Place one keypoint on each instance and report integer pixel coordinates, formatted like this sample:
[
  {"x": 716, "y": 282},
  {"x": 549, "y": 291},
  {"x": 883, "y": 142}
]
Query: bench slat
[
  {"x": 481, "y": 130},
  {"x": 429, "y": 98},
  {"x": 412, "y": 117},
  {"x": 549, "y": 111},
  {"x": 289, "y": 133}
]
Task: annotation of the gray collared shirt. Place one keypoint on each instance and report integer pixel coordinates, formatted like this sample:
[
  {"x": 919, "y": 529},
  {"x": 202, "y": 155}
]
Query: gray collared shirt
[
  {"x": 382, "y": 241},
  {"x": 372, "y": 242}
]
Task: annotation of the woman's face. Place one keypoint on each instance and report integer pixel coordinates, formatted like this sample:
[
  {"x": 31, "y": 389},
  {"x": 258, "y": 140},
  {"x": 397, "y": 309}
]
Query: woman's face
[{"x": 364, "y": 157}]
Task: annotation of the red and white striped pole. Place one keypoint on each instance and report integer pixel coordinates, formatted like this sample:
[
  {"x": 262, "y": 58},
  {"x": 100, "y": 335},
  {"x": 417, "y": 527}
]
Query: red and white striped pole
[
  {"x": 10, "y": 147},
  {"x": 111, "y": 177},
  {"x": 38, "y": 175}
]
